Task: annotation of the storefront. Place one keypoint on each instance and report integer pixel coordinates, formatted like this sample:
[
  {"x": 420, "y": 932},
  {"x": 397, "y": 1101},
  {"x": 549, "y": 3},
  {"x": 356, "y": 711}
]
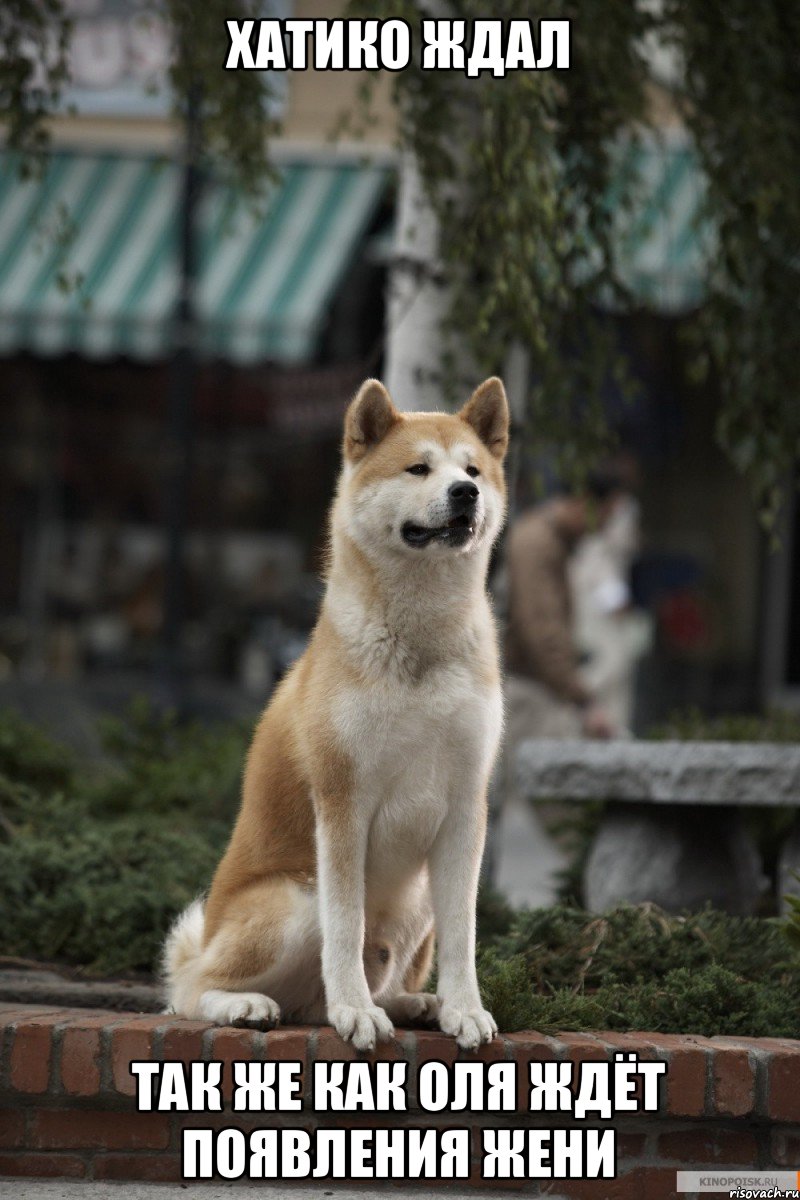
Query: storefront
[{"x": 288, "y": 314}]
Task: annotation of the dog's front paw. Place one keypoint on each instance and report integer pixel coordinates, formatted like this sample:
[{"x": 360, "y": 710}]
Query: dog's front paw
[
  {"x": 361, "y": 1026},
  {"x": 469, "y": 1025},
  {"x": 413, "y": 1006},
  {"x": 250, "y": 1009}
]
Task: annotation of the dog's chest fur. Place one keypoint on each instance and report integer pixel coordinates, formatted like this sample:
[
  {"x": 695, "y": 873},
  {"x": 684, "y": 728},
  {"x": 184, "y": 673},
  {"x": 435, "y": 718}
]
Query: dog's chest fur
[{"x": 416, "y": 745}]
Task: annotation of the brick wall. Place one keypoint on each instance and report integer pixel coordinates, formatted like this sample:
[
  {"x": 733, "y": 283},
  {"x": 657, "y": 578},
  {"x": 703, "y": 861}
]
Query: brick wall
[{"x": 67, "y": 1096}]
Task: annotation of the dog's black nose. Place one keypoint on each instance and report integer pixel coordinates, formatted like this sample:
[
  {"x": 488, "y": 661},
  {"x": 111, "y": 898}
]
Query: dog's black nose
[{"x": 462, "y": 495}]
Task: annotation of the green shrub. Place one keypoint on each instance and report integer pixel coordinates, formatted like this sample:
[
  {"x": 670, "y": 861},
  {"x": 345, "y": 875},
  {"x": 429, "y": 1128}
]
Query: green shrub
[
  {"x": 792, "y": 922},
  {"x": 100, "y": 894},
  {"x": 30, "y": 756},
  {"x": 95, "y": 863},
  {"x": 567, "y": 947},
  {"x": 160, "y": 765},
  {"x": 692, "y": 725},
  {"x": 708, "y": 1002},
  {"x": 638, "y": 968}
]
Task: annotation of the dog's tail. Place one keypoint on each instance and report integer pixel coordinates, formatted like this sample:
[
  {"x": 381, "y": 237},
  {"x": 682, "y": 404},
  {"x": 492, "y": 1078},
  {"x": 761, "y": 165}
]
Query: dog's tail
[{"x": 182, "y": 950}]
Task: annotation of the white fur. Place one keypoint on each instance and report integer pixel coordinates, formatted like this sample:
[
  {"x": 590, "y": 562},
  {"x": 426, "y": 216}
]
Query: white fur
[{"x": 183, "y": 945}]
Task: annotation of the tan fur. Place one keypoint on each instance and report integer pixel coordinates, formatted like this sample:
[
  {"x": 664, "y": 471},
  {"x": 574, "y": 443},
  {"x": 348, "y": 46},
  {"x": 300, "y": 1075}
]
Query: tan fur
[
  {"x": 420, "y": 969},
  {"x": 304, "y": 776}
]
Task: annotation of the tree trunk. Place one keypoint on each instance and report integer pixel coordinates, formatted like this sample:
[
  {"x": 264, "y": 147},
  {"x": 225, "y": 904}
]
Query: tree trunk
[{"x": 417, "y": 300}]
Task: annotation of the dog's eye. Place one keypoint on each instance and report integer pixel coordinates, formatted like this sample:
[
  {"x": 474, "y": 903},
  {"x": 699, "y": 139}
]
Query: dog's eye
[
  {"x": 419, "y": 469},
  {"x": 472, "y": 471}
]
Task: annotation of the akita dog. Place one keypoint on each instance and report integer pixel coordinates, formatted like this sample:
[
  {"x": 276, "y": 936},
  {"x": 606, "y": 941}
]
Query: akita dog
[{"x": 363, "y": 814}]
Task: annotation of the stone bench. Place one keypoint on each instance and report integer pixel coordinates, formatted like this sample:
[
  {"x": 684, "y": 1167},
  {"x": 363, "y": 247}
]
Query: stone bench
[{"x": 672, "y": 831}]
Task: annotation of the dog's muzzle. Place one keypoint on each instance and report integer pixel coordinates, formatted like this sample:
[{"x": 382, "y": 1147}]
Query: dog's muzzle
[{"x": 462, "y": 499}]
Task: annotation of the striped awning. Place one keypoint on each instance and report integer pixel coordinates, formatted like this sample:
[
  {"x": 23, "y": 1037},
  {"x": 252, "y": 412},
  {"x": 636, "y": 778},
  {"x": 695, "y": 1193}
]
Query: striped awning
[
  {"x": 663, "y": 246},
  {"x": 89, "y": 257}
]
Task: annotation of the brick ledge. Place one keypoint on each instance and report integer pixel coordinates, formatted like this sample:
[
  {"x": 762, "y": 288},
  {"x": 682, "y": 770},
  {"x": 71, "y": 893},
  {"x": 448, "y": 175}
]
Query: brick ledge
[{"x": 66, "y": 1094}]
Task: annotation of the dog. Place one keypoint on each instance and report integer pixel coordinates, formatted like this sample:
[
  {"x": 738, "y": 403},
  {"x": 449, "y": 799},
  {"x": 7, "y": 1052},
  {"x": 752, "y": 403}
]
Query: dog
[{"x": 363, "y": 812}]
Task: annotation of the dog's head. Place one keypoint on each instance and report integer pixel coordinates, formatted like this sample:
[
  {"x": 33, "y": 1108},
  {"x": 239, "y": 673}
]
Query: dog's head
[{"x": 424, "y": 483}]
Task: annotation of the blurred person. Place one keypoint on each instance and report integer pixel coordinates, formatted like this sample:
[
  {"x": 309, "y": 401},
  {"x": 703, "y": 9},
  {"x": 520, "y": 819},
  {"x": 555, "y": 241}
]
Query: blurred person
[
  {"x": 611, "y": 634},
  {"x": 546, "y": 693}
]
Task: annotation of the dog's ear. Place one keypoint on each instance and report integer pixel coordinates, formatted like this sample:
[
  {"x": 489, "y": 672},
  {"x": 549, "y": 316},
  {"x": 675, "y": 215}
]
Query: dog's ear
[
  {"x": 369, "y": 418},
  {"x": 487, "y": 412}
]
